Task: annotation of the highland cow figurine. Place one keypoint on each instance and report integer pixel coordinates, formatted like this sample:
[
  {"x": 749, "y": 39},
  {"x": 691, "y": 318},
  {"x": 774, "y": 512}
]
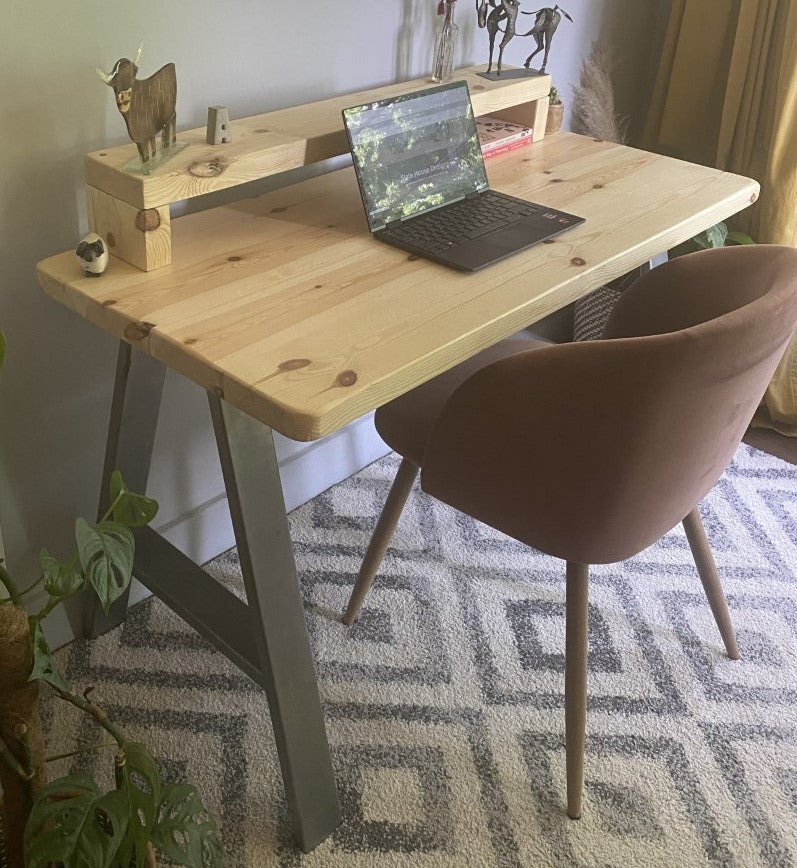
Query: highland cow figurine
[{"x": 148, "y": 105}]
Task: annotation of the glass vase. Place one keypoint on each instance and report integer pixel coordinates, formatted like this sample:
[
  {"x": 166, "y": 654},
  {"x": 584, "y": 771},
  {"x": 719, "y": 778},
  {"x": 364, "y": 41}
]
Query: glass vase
[{"x": 443, "y": 64}]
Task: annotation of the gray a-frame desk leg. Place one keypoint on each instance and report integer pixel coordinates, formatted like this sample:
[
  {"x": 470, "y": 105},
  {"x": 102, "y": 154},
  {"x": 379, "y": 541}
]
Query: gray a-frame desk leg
[
  {"x": 266, "y": 636},
  {"x": 138, "y": 389},
  {"x": 257, "y": 507}
]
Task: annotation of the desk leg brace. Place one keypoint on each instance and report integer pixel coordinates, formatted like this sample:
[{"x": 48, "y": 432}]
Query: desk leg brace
[{"x": 266, "y": 637}]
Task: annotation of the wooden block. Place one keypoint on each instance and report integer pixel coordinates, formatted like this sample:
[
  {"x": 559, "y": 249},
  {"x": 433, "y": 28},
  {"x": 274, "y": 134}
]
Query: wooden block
[{"x": 142, "y": 237}]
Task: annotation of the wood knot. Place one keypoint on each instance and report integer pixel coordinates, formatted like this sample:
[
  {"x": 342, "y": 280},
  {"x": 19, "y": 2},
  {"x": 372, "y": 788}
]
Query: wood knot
[
  {"x": 234, "y": 258},
  {"x": 556, "y": 180},
  {"x": 577, "y": 260},
  {"x": 547, "y": 172},
  {"x": 597, "y": 186},
  {"x": 261, "y": 130},
  {"x": 109, "y": 302},
  {"x": 189, "y": 341},
  {"x": 208, "y": 168},
  {"x": 293, "y": 364},
  {"x": 110, "y": 239},
  {"x": 549, "y": 241},
  {"x": 412, "y": 257},
  {"x": 318, "y": 286},
  {"x": 346, "y": 378},
  {"x": 148, "y": 219},
  {"x": 597, "y": 140},
  {"x": 278, "y": 210},
  {"x": 137, "y": 331}
]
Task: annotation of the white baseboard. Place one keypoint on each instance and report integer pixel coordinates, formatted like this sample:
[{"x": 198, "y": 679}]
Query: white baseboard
[{"x": 205, "y": 531}]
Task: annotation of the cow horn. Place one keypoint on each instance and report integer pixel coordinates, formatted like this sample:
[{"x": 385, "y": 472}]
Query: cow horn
[
  {"x": 140, "y": 46},
  {"x": 104, "y": 76}
]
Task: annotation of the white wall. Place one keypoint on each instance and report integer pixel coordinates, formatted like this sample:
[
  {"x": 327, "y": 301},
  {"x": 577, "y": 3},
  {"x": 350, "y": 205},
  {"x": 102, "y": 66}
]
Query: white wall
[{"x": 252, "y": 56}]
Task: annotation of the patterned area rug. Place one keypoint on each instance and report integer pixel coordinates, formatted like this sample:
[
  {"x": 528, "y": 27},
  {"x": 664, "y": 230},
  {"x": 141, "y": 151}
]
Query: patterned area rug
[{"x": 444, "y": 703}]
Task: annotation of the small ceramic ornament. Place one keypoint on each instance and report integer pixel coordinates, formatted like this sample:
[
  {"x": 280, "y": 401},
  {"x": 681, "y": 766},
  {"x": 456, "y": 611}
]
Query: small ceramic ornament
[{"x": 92, "y": 254}]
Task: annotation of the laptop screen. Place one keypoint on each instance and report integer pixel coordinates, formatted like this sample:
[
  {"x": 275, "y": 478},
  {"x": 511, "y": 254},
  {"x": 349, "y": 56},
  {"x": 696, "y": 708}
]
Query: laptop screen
[{"x": 415, "y": 152}]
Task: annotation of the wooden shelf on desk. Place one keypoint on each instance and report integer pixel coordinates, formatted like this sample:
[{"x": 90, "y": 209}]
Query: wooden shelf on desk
[
  {"x": 277, "y": 141},
  {"x": 132, "y": 211}
]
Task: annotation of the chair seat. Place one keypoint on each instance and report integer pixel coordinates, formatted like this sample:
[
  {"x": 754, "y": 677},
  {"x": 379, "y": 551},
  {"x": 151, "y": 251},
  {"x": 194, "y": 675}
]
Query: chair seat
[{"x": 423, "y": 404}]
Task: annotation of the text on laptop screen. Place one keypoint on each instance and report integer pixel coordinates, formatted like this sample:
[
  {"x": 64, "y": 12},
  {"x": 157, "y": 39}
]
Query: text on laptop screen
[{"x": 415, "y": 152}]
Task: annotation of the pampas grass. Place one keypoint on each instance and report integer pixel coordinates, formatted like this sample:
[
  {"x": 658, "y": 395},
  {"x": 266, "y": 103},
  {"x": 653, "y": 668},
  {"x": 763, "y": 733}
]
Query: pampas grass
[{"x": 594, "y": 113}]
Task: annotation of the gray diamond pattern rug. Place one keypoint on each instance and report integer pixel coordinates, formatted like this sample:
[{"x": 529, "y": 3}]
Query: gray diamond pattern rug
[{"x": 445, "y": 706}]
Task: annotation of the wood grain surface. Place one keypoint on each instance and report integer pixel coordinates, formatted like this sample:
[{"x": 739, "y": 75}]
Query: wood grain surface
[
  {"x": 275, "y": 142},
  {"x": 285, "y": 305}
]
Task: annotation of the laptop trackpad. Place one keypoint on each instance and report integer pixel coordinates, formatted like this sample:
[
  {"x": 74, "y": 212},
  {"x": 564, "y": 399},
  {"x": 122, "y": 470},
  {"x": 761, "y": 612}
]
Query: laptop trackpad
[{"x": 481, "y": 251}]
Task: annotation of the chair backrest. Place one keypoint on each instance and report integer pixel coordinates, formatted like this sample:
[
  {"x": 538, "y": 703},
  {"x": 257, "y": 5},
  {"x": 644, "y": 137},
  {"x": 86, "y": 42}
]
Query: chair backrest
[{"x": 591, "y": 451}]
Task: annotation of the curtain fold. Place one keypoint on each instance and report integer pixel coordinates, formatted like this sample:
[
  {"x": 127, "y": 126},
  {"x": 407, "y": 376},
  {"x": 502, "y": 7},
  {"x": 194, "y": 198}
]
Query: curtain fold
[{"x": 726, "y": 95}]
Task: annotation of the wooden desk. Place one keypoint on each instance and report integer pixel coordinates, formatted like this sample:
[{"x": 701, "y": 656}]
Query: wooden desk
[
  {"x": 285, "y": 307},
  {"x": 288, "y": 313}
]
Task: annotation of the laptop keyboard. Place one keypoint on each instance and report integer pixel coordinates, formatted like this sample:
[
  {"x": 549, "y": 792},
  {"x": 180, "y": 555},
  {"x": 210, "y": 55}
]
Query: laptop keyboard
[{"x": 461, "y": 221}]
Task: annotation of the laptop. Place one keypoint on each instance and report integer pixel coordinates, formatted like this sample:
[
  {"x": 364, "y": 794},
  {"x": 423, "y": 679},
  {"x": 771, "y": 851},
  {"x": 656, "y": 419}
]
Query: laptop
[{"x": 424, "y": 188}]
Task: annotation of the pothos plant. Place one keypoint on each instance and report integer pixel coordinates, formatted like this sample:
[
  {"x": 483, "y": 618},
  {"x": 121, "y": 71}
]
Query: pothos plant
[
  {"x": 70, "y": 821},
  {"x": 720, "y": 236},
  {"x": 715, "y": 236}
]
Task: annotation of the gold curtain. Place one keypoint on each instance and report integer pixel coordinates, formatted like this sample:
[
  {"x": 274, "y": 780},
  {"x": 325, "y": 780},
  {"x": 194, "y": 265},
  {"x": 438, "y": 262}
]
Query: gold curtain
[{"x": 726, "y": 96}]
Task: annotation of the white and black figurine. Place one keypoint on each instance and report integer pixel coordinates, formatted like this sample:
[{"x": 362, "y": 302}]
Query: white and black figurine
[{"x": 92, "y": 254}]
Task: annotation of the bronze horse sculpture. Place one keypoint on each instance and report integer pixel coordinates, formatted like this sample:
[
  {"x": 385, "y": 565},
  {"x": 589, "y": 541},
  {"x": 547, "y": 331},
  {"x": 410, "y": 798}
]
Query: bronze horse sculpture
[
  {"x": 545, "y": 24},
  {"x": 503, "y": 10}
]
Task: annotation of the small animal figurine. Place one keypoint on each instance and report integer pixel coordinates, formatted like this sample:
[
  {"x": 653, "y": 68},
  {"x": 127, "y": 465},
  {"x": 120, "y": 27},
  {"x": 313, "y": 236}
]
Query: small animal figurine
[
  {"x": 92, "y": 254},
  {"x": 147, "y": 105},
  {"x": 545, "y": 24},
  {"x": 503, "y": 11}
]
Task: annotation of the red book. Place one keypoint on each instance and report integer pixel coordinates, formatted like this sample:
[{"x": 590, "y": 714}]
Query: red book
[{"x": 502, "y": 149}]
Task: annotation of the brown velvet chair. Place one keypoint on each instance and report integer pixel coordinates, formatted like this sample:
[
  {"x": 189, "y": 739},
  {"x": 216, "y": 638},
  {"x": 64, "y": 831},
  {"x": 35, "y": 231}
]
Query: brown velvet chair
[{"x": 591, "y": 451}]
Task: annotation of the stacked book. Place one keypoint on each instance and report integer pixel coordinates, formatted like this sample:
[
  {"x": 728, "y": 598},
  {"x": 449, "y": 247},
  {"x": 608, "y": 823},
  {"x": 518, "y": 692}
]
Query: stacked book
[{"x": 497, "y": 136}]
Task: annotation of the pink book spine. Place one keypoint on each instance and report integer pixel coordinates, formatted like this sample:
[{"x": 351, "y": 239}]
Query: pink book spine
[{"x": 502, "y": 149}]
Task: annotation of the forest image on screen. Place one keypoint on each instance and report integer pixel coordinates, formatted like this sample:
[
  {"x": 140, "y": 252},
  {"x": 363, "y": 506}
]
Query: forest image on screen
[{"x": 415, "y": 152}]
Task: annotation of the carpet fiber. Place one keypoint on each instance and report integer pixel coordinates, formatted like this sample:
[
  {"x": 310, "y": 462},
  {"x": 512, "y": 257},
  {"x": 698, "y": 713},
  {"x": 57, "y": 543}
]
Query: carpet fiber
[{"x": 444, "y": 703}]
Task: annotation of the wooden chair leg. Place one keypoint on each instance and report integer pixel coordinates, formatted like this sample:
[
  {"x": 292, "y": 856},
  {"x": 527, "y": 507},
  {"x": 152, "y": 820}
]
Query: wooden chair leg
[
  {"x": 576, "y": 626},
  {"x": 391, "y": 512},
  {"x": 709, "y": 576}
]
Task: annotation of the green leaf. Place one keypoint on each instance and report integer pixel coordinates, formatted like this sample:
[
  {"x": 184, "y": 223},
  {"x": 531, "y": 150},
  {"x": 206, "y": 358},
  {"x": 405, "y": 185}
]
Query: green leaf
[
  {"x": 739, "y": 237},
  {"x": 60, "y": 580},
  {"x": 43, "y": 664},
  {"x": 106, "y": 555},
  {"x": 141, "y": 784},
  {"x": 714, "y": 236},
  {"x": 72, "y": 823},
  {"x": 185, "y": 832},
  {"x": 131, "y": 510}
]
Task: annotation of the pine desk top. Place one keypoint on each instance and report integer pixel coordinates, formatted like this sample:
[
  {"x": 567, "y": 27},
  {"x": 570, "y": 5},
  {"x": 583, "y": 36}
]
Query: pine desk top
[{"x": 285, "y": 306}]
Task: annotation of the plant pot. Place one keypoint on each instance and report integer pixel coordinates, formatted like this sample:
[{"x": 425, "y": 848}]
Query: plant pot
[{"x": 556, "y": 111}]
